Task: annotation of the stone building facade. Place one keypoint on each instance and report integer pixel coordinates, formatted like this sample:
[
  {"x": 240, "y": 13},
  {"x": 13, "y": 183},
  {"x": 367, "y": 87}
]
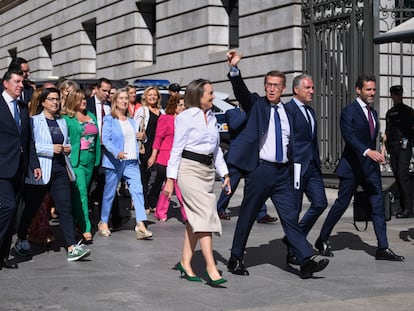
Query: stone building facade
[
  {"x": 177, "y": 40},
  {"x": 181, "y": 40}
]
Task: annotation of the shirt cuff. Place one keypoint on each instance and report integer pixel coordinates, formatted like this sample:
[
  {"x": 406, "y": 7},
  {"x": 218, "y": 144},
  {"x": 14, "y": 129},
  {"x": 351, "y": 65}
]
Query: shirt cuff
[
  {"x": 234, "y": 71},
  {"x": 365, "y": 152}
]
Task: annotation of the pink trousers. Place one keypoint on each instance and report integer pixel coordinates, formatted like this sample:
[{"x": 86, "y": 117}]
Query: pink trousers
[{"x": 163, "y": 203}]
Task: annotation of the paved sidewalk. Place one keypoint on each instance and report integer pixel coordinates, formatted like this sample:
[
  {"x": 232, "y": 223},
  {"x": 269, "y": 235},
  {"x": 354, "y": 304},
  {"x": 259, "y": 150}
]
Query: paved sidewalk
[{"x": 125, "y": 274}]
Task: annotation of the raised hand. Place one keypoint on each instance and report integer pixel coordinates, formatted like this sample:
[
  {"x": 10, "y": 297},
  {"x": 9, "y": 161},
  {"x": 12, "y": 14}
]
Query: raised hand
[{"x": 233, "y": 58}]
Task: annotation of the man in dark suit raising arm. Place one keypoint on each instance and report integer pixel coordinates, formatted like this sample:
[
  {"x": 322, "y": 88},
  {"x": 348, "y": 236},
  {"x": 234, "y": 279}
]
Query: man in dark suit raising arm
[
  {"x": 359, "y": 165},
  {"x": 262, "y": 151},
  {"x": 16, "y": 153}
]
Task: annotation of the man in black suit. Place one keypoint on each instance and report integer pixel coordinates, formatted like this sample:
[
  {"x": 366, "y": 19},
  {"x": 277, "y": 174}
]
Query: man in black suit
[
  {"x": 99, "y": 105},
  {"x": 305, "y": 155},
  {"x": 19, "y": 63},
  {"x": 16, "y": 154},
  {"x": 359, "y": 165},
  {"x": 262, "y": 151}
]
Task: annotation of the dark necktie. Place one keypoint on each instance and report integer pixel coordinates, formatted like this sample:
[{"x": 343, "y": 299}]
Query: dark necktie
[
  {"x": 370, "y": 121},
  {"x": 102, "y": 118},
  {"x": 16, "y": 115},
  {"x": 308, "y": 117},
  {"x": 102, "y": 111},
  {"x": 278, "y": 132}
]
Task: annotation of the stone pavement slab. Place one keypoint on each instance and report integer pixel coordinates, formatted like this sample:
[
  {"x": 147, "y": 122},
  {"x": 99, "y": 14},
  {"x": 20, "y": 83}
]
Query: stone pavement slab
[{"x": 125, "y": 274}]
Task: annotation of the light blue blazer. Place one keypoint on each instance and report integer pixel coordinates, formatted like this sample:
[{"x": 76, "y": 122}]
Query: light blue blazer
[
  {"x": 44, "y": 147},
  {"x": 113, "y": 141}
]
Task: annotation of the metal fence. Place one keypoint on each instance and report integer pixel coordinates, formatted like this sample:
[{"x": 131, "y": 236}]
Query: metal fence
[{"x": 338, "y": 46}]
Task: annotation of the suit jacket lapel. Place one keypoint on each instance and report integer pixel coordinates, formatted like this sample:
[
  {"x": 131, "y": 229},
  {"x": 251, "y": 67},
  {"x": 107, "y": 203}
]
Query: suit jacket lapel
[
  {"x": 361, "y": 114},
  {"x": 5, "y": 111}
]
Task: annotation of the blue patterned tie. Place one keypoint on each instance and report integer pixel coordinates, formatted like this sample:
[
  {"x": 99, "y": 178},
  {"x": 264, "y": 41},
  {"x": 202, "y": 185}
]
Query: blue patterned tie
[
  {"x": 278, "y": 131},
  {"x": 16, "y": 115}
]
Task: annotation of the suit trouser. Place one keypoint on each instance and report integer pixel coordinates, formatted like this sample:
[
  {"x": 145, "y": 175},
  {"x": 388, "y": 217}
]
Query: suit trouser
[
  {"x": 145, "y": 180},
  {"x": 129, "y": 169},
  {"x": 347, "y": 186},
  {"x": 8, "y": 209},
  {"x": 154, "y": 193},
  {"x": 313, "y": 187},
  {"x": 400, "y": 163},
  {"x": 80, "y": 199},
  {"x": 223, "y": 202},
  {"x": 59, "y": 188},
  {"x": 275, "y": 182}
]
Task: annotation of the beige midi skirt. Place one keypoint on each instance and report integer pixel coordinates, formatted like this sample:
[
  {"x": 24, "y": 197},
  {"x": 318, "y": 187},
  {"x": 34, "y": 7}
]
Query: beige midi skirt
[{"x": 196, "y": 182}]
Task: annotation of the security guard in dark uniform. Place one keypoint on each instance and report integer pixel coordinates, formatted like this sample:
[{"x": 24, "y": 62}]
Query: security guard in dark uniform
[{"x": 398, "y": 141}]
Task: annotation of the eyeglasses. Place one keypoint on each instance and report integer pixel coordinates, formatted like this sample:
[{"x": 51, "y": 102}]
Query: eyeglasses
[
  {"x": 273, "y": 85},
  {"x": 52, "y": 99}
]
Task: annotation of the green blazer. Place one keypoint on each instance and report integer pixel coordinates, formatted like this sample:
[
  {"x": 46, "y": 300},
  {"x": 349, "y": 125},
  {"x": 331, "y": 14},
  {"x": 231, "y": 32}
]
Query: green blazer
[{"x": 74, "y": 131}]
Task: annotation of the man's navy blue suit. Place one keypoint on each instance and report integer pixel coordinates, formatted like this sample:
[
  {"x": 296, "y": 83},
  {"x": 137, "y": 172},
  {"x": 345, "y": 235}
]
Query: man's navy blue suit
[
  {"x": 236, "y": 121},
  {"x": 263, "y": 180},
  {"x": 356, "y": 169},
  {"x": 305, "y": 151},
  {"x": 16, "y": 154}
]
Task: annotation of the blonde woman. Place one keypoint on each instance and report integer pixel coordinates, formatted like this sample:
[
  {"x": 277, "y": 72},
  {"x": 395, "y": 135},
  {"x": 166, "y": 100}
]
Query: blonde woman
[
  {"x": 65, "y": 88},
  {"x": 84, "y": 157},
  {"x": 146, "y": 119},
  {"x": 120, "y": 159}
]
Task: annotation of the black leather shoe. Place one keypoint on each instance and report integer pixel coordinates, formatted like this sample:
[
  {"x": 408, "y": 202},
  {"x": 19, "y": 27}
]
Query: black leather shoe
[
  {"x": 292, "y": 260},
  {"x": 236, "y": 266},
  {"x": 404, "y": 214},
  {"x": 5, "y": 263},
  {"x": 266, "y": 219},
  {"x": 387, "y": 254},
  {"x": 311, "y": 266},
  {"x": 324, "y": 248},
  {"x": 224, "y": 215}
]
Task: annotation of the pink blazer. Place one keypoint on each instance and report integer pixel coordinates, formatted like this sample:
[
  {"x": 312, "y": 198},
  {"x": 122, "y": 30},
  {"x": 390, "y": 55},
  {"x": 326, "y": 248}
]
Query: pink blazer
[{"x": 164, "y": 137}]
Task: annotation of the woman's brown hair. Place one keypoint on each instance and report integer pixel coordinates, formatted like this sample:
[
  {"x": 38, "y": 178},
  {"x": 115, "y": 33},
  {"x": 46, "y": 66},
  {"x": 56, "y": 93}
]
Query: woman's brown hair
[
  {"x": 172, "y": 103},
  {"x": 194, "y": 92}
]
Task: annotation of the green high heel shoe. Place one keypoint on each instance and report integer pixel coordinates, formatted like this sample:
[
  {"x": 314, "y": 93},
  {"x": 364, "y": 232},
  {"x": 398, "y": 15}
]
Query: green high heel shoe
[
  {"x": 184, "y": 274},
  {"x": 214, "y": 283}
]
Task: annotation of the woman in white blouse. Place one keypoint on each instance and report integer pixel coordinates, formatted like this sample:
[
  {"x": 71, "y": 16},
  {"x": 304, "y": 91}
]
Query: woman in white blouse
[
  {"x": 120, "y": 159},
  {"x": 195, "y": 156}
]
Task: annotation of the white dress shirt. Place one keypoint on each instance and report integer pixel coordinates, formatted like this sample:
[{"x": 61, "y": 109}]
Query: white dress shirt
[
  {"x": 192, "y": 133},
  {"x": 365, "y": 109},
  {"x": 307, "y": 115},
  {"x": 98, "y": 107},
  {"x": 9, "y": 100},
  {"x": 268, "y": 149}
]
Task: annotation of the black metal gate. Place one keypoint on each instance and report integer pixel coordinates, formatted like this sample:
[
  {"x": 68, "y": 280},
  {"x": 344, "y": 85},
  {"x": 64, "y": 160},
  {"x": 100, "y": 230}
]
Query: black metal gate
[{"x": 337, "y": 47}]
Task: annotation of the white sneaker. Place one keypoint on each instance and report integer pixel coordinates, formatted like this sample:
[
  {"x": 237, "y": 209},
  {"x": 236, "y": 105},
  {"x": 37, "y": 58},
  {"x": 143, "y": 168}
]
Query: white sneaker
[{"x": 22, "y": 247}]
